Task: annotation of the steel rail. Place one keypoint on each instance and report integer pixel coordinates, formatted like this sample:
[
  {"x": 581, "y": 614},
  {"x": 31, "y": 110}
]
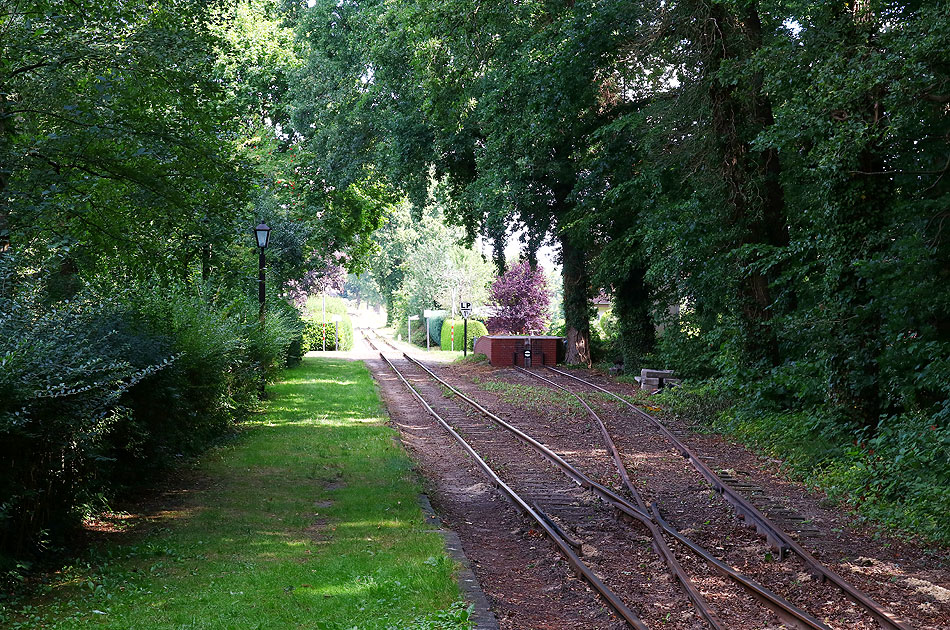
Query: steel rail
[
  {"x": 662, "y": 549},
  {"x": 794, "y": 615},
  {"x": 369, "y": 341},
  {"x": 775, "y": 535},
  {"x": 384, "y": 340},
  {"x": 542, "y": 520}
]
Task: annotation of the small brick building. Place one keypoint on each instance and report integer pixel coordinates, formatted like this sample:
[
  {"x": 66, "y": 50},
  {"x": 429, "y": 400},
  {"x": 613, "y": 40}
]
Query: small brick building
[{"x": 503, "y": 350}]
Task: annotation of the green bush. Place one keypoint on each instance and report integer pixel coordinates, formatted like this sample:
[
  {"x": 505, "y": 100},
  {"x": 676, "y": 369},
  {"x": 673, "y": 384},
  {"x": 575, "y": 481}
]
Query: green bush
[
  {"x": 98, "y": 393},
  {"x": 60, "y": 390},
  {"x": 475, "y": 329},
  {"x": 900, "y": 476},
  {"x": 418, "y": 331},
  {"x": 435, "y": 330},
  {"x": 292, "y": 323},
  {"x": 315, "y": 329}
]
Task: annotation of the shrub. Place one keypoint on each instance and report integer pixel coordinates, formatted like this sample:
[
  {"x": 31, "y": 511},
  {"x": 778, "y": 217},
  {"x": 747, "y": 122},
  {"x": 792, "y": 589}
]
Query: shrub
[
  {"x": 99, "y": 392},
  {"x": 418, "y": 332},
  {"x": 435, "y": 329},
  {"x": 475, "y": 329},
  {"x": 522, "y": 296},
  {"x": 899, "y": 476},
  {"x": 292, "y": 323},
  {"x": 222, "y": 354},
  {"x": 60, "y": 388},
  {"x": 181, "y": 409},
  {"x": 315, "y": 329}
]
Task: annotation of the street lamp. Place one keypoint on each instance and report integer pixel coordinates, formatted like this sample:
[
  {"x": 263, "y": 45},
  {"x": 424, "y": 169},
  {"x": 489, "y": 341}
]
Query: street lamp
[
  {"x": 263, "y": 236},
  {"x": 262, "y": 232}
]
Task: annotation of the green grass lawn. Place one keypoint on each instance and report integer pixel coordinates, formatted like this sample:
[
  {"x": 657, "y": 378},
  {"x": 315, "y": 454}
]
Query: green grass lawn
[{"x": 309, "y": 520}]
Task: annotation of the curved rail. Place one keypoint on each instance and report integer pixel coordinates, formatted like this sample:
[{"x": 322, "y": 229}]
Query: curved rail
[
  {"x": 787, "y": 611},
  {"x": 379, "y": 338},
  {"x": 543, "y": 521},
  {"x": 775, "y": 535},
  {"x": 659, "y": 542}
]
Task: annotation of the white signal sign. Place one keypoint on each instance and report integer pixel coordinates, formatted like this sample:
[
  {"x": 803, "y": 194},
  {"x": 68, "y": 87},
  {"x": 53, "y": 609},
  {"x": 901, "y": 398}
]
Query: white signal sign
[{"x": 466, "y": 308}]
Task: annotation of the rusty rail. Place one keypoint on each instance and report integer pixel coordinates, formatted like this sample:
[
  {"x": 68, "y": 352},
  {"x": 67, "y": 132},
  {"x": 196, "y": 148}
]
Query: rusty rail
[
  {"x": 659, "y": 543},
  {"x": 776, "y": 536},
  {"x": 787, "y": 611},
  {"x": 381, "y": 338},
  {"x": 542, "y": 520}
]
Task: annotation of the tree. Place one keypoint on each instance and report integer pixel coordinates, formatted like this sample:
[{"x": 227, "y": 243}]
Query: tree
[
  {"x": 521, "y": 294},
  {"x": 362, "y": 288},
  {"x": 102, "y": 161},
  {"x": 314, "y": 282},
  {"x": 421, "y": 265}
]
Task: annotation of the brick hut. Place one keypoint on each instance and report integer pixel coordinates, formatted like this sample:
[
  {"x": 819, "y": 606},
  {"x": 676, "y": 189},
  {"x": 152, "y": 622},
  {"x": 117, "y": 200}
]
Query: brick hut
[{"x": 503, "y": 350}]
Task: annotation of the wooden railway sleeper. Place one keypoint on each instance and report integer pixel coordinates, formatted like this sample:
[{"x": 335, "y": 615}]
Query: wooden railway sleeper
[
  {"x": 608, "y": 496},
  {"x": 886, "y": 619}
]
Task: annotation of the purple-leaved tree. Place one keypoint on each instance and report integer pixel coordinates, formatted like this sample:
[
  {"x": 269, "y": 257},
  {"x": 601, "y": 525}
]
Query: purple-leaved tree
[
  {"x": 330, "y": 277},
  {"x": 521, "y": 293}
]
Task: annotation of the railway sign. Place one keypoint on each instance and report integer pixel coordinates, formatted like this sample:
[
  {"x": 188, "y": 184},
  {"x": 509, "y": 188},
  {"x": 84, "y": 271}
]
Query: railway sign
[
  {"x": 409, "y": 327},
  {"x": 466, "y": 308}
]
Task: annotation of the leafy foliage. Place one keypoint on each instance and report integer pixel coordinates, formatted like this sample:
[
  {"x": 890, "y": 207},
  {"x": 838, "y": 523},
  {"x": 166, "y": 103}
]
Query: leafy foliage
[
  {"x": 319, "y": 330},
  {"x": 456, "y": 327},
  {"x": 140, "y": 142},
  {"x": 762, "y": 182},
  {"x": 99, "y": 392},
  {"x": 521, "y": 294},
  {"x": 422, "y": 265}
]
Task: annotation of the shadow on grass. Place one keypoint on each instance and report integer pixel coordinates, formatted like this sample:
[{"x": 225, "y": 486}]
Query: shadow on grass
[{"x": 308, "y": 520}]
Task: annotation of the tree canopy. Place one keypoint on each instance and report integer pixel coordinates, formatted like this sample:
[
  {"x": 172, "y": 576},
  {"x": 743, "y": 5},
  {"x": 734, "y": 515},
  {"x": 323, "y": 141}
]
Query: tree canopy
[
  {"x": 765, "y": 182},
  {"x": 760, "y": 187}
]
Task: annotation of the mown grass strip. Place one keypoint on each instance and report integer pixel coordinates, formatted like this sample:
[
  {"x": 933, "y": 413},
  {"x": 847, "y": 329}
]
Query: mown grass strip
[{"x": 310, "y": 520}]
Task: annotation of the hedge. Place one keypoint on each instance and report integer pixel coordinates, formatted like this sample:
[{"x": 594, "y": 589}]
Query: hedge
[
  {"x": 475, "y": 329},
  {"x": 315, "y": 328},
  {"x": 435, "y": 329},
  {"x": 99, "y": 392}
]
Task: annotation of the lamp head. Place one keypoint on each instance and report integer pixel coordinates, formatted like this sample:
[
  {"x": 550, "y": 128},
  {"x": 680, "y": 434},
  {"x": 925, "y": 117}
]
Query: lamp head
[{"x": 263, "y": 235}]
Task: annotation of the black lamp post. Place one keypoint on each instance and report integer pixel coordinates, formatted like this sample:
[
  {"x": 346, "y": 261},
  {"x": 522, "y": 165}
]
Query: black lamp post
[
  {"x": 263, "y": 236},
  {"x": 262, "y": 232}
]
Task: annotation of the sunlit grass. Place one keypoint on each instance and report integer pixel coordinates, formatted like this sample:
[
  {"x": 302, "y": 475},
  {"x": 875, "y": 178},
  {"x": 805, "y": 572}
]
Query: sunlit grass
[{"x": 310, "y": 520}]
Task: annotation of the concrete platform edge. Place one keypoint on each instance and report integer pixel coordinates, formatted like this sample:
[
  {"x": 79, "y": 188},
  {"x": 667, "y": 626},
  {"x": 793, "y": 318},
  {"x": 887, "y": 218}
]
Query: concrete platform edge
[{"x": 482, "y": 615}]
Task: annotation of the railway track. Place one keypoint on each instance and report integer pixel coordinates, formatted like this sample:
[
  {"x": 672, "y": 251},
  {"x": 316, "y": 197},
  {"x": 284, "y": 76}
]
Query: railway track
[
  {"x": 775, "y": 535},
  {"x": 560, "y": 496},
  {"x": 380, "y": 338}
]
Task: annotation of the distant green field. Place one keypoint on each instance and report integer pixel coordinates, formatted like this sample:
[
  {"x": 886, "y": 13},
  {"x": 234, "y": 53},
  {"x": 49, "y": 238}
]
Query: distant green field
[{"x": 310, "y": 520}]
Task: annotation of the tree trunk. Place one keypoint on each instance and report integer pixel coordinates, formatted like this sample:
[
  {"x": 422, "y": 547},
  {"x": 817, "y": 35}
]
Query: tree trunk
[
  {"x": 632, "y": 306},
  {"x": 754, "y": 197},
  {"x": 576, "y": 302}
]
